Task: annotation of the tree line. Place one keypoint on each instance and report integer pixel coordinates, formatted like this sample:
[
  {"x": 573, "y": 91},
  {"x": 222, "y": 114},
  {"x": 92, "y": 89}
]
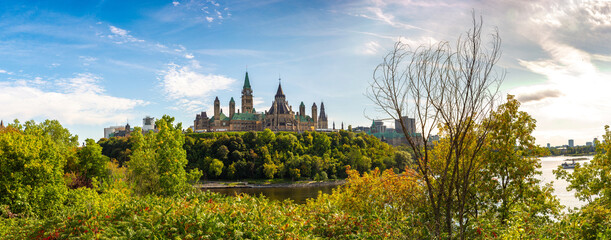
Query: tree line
[{"x": 268, "y": 155}]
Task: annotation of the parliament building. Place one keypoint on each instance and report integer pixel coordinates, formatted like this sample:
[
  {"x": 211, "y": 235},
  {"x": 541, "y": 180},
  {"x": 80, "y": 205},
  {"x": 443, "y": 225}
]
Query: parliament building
[{"x": 279, "y": 117}]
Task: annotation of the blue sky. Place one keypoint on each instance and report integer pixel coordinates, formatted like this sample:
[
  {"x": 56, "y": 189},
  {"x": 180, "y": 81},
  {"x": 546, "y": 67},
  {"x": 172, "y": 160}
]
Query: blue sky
[{"x": 92, "y": 64}]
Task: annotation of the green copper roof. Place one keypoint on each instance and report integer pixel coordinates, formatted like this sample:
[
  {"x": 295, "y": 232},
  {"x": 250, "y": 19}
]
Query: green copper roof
[
  {"x": 221, "y": 116},
  {"x": 231, "y": 100},
  {"x": 246, "y": 81},
  {"x": 246, "y": 116},
  {"x": 302, "y": 104},
  {"x": 304, "y": 119}
]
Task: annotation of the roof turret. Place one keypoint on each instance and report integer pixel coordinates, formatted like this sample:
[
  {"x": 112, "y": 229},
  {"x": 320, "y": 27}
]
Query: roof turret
[
  {"x": 231, "y": 101},
  {"x": 279, "y": 93},
  {"x": 246, "y": 81}
]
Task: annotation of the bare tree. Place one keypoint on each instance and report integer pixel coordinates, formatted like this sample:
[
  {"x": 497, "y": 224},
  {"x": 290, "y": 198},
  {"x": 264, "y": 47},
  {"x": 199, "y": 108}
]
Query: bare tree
[{"x": 448, "y": 88}]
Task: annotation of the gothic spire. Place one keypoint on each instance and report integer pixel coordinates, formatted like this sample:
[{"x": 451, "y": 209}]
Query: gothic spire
[
  {"x": 279, "y": 93},
  {"x": 246, "y": 81}
]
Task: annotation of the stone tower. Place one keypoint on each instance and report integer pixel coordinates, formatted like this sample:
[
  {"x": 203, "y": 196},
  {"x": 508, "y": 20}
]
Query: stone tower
[
  {"x": 217, "y": 109},
  {"x": 247, "y": 106},
  {"x": 315, "y": 115},
  {"x": 322, "y": 119},
  {"x": 231, "y": 108},
  {"x": 302, "y": 110}
]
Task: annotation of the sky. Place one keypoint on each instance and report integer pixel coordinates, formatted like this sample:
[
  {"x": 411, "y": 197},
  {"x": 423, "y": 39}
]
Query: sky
[{"x": 94, "y": 64}]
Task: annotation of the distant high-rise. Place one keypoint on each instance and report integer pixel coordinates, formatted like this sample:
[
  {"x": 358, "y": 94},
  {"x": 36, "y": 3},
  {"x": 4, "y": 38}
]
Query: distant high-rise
[
  {"x": 548, "y": 145},
  {"x": 148, "y": 123},
  {"x": 410, "y": 125},
  {"x": 571, "y": 143}
]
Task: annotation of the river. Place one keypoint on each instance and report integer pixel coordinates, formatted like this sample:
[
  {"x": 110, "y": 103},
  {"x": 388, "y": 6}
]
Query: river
[
  {"x": 567, "y": 198},
  {"x": 301, "y": 194}
]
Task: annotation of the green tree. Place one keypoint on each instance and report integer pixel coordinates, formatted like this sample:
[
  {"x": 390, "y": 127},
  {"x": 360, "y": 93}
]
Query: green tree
[
  {"x": 321, "y": 144},
  {"x": 508, "y": 183},
  {"x": 216, "y": 168},
  {"x": 92, "y": 163},
  {"x": 590, "y": 181},
  {"x": 158, "y": 161},
  {"x": 270, "y": 169},
  {"x": 266, "y": 137},
  {"x": 32, "y": 164}
]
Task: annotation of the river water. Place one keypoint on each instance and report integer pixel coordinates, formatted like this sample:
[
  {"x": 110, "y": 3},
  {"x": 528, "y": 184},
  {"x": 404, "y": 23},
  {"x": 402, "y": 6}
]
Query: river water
[
  {"x": 567, "y": 198},
  {"x": 301, "y": 194}
]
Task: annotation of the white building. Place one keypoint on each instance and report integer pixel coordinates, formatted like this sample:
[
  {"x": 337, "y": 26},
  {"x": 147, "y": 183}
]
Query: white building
[{"x": 148, "y": 124}]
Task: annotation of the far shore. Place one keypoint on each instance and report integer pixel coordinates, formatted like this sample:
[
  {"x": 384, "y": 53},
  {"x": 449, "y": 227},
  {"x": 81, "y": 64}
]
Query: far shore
[{"x": 223, "y": 184}]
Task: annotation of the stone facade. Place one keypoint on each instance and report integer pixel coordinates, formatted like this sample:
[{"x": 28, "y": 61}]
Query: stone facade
[{"x": 280, "y": 116}]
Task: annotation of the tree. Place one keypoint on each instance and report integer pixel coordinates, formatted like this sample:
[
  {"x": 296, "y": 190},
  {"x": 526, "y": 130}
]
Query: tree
[
  {"x": 508, "y": 181},
  {"x": 32, "y": 161},
  {"x": 270, "y": 169},
  {"x": 158, "y": 161},
  {"x": 452, "y": 88},
  {"x": 591, "y": 184},
  {"x": 216, "y": 168},
  {"x": 92, "y": 164}
]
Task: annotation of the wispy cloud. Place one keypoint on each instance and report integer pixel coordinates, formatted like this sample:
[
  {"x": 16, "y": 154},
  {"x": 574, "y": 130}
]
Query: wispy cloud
[
  {"x": 194, "y": 11},
  {"x": 77, "y": 100},
  {"x": 370, "y": 48},
  {"x": 121, "y": 36},
  {"x": 187, "y": 84}
]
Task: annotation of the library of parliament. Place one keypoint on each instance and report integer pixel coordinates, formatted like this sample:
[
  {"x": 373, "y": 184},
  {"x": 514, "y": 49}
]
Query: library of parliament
[{"x": 279, "y": 117}]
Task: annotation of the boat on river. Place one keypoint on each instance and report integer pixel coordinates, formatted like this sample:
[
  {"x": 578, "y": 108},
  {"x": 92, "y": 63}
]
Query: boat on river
[{"x": 570, "y": 163}]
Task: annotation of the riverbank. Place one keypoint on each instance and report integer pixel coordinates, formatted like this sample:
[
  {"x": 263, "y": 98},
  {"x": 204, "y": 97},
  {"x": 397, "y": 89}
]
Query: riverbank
[{"x": 246, "y": 184}]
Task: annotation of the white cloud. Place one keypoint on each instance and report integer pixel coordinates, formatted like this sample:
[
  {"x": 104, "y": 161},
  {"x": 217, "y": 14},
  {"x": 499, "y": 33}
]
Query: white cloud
[
  {"x": 189, "y": 56},
  {"x": 370, "y": 48},
  {"x": 572, "y": 102},
  {"x": 87, "y": 60},
  {"x": 3, "y": 71},
  {"x": 187, "y": 85},
  {"x": 121, "y": 36},
  {"x": 78, "y": 100},
  {"x": 194, "y": 11}
]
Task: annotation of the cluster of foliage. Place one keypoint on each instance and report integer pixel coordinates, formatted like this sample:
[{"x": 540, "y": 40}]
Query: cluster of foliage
[
  {"x": 40, "y": 163},
  {"x": 118, "y": 148},
  {"x": 269, "y": 155},
  {"x": 158, "y": 161},
  {"x": 376, "y": 205},
  {"x": 483, "y": 186},
  {"x": 150, "y": 196},
  {"x": 313, "y": 155},
  {"x": 591, "y": 184}
]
